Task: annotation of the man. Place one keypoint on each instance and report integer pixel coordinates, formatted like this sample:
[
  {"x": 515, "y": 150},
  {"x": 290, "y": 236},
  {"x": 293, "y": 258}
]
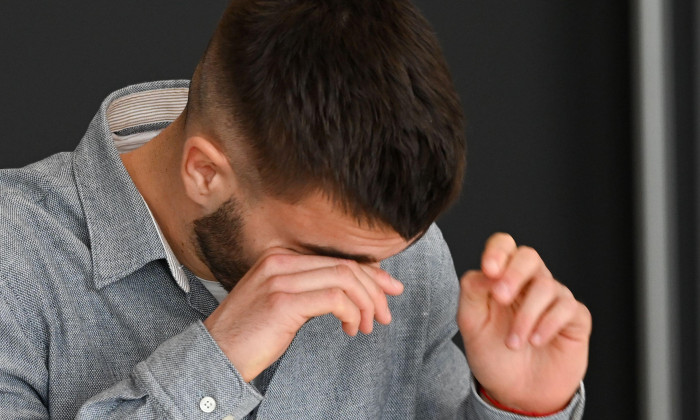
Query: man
[{"x": 259, "y": 244}]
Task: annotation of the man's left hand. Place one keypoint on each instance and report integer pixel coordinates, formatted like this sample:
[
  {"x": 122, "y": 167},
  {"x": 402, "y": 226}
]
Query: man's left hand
[{"x": 525, "y": 336}]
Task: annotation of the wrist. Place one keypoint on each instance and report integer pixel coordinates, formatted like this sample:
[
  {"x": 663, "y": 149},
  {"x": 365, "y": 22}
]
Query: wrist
[
  {"x": 241, "y": 363},
  {"x": 495, "y": 403}
]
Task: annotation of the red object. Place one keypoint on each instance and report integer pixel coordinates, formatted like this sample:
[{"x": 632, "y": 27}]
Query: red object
[{"x": 500, "y": 406}]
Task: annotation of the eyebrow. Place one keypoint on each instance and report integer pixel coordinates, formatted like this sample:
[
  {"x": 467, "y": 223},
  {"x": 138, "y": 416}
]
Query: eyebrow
[
  {"x": 326, "y": 251},
  {"x": 335, "y": 253}
]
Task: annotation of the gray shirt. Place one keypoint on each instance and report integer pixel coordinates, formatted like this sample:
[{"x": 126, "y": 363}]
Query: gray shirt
[{"x": 94, "y": 325}]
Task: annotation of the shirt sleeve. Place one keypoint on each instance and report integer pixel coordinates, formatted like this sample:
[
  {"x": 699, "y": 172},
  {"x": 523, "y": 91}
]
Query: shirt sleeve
[
  {"x": 23, "y": 372},
  {"x": 186, "y": 377},
  {"x": 447, "y": 389}
]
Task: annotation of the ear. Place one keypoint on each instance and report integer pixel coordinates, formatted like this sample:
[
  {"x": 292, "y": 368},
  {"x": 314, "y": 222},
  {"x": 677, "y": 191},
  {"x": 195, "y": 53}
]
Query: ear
[{"x": 206, "y": 173}]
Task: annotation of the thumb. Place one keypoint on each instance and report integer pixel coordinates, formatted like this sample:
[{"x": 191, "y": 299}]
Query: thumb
[{"x": 474, "y": 301}]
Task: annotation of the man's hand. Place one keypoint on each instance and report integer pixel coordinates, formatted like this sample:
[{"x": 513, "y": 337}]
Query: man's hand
[
  {"x": 525, "y": 336},
  {"x": 257, "y": 321}
]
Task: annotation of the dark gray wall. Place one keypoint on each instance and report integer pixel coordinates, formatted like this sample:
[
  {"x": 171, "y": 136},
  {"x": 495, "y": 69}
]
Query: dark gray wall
[
  {"x": 685, "y": 49},
  {"x": 60, "y": 59},
  {"x": 546, "y": 89},
  {"x": 545, "y": 86}
]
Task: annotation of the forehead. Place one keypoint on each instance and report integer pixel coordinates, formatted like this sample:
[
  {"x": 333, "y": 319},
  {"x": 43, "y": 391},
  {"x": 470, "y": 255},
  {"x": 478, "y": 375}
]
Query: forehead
[{"x": 315, "y": 225}]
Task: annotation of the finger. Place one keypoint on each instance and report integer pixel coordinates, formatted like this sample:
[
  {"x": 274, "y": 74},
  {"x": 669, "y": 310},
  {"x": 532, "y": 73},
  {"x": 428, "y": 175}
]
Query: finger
[
  {"x": 326, "y": 301},
  {"x": 370, "y": 278},
  {"x": 381, "y": 305},
  {"x": 339, "y": 277},
  {"x": 536, "y": 299},
  {"x": 390, "y": 285},
  {"x": 473, "y": 309},
  {"x": 525, "y": 263},
  {"x": 377, "y": 281},
  {"x": 566, "y": 315},
  {"x": 277, "y": 250},
  {"x": 497, "y": 252},
  {"x": 276, "y": 261}
]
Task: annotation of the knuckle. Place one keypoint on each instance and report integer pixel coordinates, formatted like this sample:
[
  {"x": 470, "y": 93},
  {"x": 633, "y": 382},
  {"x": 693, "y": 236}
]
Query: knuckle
[
  {"x": 275, "y": 283},
  {"x": 571, "y": 304},
  {"x": 565, "y": 308},
  {"x": 376, "y": 272},
  {"x": 351, "y": 264},
  {"x": 278, "y": 260},
  {"x": 588, "y": 316},
  {"x": 278, "y": 300},
  {"x": 343, "y": 270},
  {"x": 364, "y": 303},
  {"x": 373, "y": 287},
  {"x": 567, "y": 293},
  {"x": 272, "y": 264},
  {"x": 335, "y": 296},
  {"x": 528, "y": 252},
  {"x": 585, "y": 310},
  {"x": 547, "y": 285}
]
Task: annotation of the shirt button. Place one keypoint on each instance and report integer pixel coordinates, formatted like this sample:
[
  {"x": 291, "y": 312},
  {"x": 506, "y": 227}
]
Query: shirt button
[
  {"x": 228, "y": 418},
  {"x": 207, "y": 404}
]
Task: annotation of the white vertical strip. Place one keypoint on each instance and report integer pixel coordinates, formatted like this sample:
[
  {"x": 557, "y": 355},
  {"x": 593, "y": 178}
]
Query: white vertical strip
[{"x": 655, "y": 227}]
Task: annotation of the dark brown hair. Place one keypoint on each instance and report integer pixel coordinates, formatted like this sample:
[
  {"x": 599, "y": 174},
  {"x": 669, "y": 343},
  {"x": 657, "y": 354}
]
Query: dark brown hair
[{"x": 352, "y": 98}]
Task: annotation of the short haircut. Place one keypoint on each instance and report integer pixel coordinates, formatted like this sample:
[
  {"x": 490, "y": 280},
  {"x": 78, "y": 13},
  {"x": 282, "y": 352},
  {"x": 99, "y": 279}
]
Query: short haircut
[{"x": 350, "y": 98}]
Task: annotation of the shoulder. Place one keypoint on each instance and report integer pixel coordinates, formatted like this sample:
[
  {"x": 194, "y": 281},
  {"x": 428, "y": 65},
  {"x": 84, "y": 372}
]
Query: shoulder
[
  {"x": 427, "y": 261},
  {"x": 428, "y": 274},
  {"x": 35, "y": 180},
  {"x": 39, "y": 196},
  {"x": 41, "y": 219},
  {"x": 39, "y": 192}
]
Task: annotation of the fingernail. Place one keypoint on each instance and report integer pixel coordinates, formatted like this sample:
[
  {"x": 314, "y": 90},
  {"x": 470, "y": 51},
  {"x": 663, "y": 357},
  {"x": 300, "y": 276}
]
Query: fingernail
[
  {"x": 501, "y": 290},
  {"x": 536, "y": 339},
  {"x": 513, "y": 341}
]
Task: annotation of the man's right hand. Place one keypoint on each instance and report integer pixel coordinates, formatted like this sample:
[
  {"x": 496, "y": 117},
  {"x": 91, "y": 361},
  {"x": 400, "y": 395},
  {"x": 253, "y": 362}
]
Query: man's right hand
[{"x": 257, "y": 321}]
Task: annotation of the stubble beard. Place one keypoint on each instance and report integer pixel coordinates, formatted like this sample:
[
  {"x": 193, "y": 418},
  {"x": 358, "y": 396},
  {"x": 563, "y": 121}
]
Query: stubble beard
[{"x": 219, "y": 242}]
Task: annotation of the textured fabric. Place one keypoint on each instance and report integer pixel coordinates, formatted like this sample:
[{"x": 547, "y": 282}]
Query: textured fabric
[
  {"x": 176, "y": 269},
  {"x": 93, "y": 324},
  {"x": 215, "y": 288}
]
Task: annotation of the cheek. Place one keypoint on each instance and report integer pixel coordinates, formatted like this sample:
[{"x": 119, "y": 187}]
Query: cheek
[{"x": 257, "y": 237}]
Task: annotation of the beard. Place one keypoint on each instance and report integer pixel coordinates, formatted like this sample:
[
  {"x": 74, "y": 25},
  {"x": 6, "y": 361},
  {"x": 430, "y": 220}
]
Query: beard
[{"x": 219, "y": 240}]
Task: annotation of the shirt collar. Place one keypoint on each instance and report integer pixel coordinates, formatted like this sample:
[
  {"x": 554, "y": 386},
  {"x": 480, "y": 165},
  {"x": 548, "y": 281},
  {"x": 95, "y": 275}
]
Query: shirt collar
[
  {"x": 176, "y": 269},
  {"x": 123, "y": 236}
]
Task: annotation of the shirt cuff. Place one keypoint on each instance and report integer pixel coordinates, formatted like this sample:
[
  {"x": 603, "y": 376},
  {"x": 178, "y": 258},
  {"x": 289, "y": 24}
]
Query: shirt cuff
[
  {"x": 190, "y": 377},
  {"x": 574, "y": 410}
]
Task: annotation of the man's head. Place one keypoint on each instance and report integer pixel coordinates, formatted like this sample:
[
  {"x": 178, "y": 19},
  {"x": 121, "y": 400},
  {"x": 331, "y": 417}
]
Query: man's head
[{"x": 350, "y": 100}]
